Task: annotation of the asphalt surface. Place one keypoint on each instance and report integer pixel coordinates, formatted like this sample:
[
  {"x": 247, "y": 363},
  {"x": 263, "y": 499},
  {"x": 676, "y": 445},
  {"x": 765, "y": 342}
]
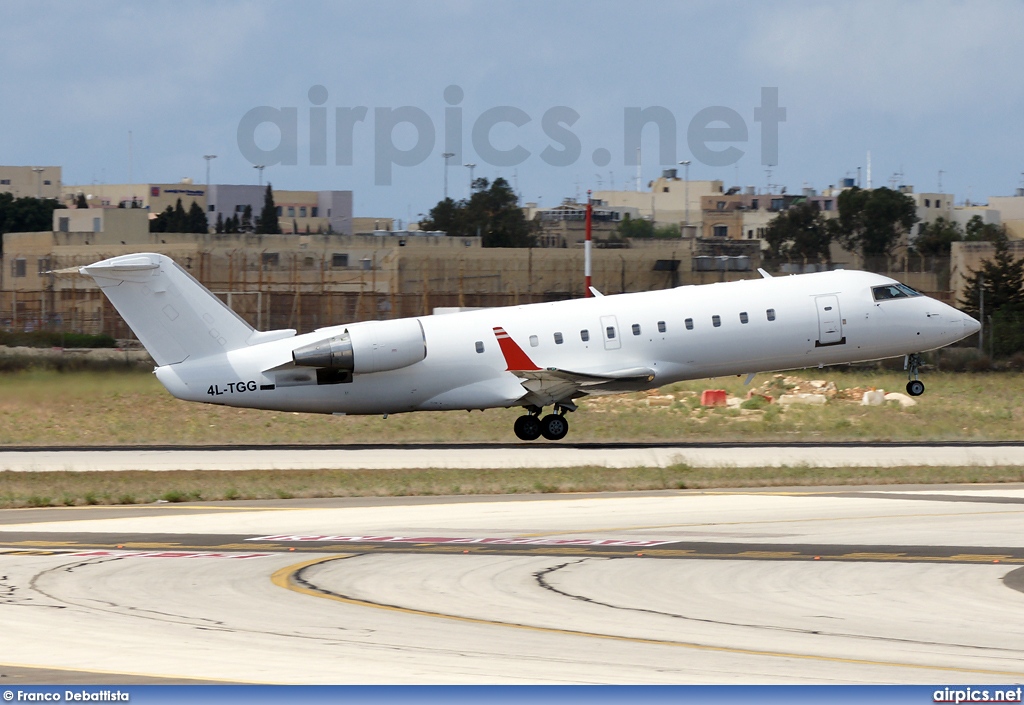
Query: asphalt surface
[{"x": 855, "y": 585}]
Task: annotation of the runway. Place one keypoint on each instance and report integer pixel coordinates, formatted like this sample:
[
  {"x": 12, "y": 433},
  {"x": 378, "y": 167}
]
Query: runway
[
  {"x": 491, "y": 456},
  {"x": 847, "y": 585}
]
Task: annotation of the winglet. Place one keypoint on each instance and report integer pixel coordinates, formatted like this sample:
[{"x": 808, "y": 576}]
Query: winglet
[
  {"x": 764, "y": 274},
  {"x": 515, "y": 358}
]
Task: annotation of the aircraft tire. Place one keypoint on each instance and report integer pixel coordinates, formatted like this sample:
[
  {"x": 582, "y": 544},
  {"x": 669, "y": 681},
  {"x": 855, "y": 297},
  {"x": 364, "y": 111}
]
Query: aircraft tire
[
  {"x": 527, "y": 427},
  {"x": 915, "y": 388},
  {"x": 554, "y": 427}
]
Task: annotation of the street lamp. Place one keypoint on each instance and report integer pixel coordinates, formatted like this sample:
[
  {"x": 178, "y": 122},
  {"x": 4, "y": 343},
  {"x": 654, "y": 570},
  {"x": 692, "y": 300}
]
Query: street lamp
[
  {"x": 470, "y": 167},
  {"x": 260, "y": 167},
  {"x": 686, "y": 193},
  {"x": 446, "y": 156},
  {"x": 208, "y": 157}
]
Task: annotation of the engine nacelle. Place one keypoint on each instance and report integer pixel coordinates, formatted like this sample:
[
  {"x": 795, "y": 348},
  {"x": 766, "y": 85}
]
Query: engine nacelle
[{"x": 375, "y": 346}]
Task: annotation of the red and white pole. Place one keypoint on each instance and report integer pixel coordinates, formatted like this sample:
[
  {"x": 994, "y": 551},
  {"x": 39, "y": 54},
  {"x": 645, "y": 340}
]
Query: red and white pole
[{"x": 586, "y": 253}]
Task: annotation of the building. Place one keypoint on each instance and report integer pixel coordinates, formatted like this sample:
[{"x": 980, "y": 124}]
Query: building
[
  {"x": 297, "y": 211},
  {"x": 745, "y": 216},
  {"x": 31, "y": 181},
  {"x": 671, "y": 200},
  {"x": 1011, "y": 212},
  {"x": 565, "y": 224}
]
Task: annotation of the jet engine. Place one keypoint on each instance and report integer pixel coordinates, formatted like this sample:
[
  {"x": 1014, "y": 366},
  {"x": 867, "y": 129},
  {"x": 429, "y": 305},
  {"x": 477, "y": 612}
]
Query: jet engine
[{"x": 374, "y": 346}]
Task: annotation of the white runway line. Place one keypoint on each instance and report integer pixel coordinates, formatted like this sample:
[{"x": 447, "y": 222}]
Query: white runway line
[{"x": 541, "y": 456}]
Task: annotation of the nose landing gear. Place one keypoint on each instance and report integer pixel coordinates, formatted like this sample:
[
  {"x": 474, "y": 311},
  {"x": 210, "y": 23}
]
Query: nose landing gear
[
  {"x": 911, "y": 363},
  {"x": 554, "y": 426}
]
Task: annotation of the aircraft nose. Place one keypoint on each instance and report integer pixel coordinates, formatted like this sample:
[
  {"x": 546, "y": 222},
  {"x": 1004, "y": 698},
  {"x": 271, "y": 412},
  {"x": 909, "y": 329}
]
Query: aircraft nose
[{"x": 971, "y": 326}]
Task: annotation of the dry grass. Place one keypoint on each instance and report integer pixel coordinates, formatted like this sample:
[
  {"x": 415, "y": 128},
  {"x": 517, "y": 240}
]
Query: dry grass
[
  {"x": 97, "y": 408},
  {"x": 18, "y": 489}
]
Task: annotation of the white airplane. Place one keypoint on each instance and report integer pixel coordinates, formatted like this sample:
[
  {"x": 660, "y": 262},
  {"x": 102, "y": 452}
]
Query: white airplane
[{"x": 532, "y": 356}]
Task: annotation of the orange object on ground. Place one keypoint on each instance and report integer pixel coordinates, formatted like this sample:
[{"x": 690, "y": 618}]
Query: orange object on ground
[{"x": 712, "y": 397}]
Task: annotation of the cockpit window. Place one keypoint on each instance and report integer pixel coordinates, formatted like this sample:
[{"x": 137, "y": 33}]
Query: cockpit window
[{"x": 893, "y": 291}]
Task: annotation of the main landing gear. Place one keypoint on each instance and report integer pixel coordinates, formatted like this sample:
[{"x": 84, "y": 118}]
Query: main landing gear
[
  {"x": 554, "y": 426},
  {"x": 911, "y": 363}
]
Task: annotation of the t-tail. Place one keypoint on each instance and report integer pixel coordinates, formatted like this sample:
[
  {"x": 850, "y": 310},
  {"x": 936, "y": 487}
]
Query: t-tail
[{"x": 174, "y": 316}]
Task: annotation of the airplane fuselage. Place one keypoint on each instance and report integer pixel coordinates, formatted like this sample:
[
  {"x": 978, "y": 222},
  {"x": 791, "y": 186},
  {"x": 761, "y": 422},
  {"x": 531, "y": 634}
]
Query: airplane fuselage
[{"x": 689, "y": 332}]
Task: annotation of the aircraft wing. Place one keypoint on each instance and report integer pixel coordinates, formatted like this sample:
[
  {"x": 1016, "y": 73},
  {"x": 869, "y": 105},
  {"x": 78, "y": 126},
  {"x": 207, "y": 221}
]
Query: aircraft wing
[{"x": 549, "y": 385}]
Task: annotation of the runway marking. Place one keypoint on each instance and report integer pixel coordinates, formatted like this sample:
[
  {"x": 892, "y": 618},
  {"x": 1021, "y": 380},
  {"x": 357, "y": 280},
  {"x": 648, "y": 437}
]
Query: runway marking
[
  {"x": 463, "y": 540},
  {"x": 289, "y": 579}
]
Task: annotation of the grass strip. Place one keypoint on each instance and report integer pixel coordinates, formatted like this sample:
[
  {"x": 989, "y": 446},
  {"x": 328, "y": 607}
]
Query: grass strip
[{"x": 49, "y": 489}]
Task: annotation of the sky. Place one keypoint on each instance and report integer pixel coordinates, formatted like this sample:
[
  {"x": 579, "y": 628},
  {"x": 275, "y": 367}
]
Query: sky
[{"x": 367, "y": 96}]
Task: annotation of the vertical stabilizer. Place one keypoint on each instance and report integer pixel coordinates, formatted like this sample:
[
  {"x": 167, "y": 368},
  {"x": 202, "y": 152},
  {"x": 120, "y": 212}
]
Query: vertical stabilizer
[{"x": 174, "y": 316}]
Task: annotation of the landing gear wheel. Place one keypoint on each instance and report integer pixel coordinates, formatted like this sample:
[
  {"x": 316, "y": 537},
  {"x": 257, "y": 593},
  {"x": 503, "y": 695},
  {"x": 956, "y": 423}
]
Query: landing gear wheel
[
  {"x": 554, "y": 427},
  {"x": 915, "y": 387},
  {"x": 527, "y": 427}
]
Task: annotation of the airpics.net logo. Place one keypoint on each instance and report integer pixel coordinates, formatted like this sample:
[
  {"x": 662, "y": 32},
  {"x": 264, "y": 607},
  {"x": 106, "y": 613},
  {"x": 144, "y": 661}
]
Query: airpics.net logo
[{"x": 715, "y": 135}]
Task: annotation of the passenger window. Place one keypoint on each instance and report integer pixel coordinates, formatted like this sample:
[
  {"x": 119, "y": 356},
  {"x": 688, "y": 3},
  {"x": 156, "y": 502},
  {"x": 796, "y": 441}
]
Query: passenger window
[
  {"x": 610, "y": 332},
  {"x": 558, "y": 338},
  {"x": 771, "y": 314},
  {"x": 689, "y": 324},
  {"x": 661, "y": 326},
  {"x": 743, "y": 317},
  {"x": 534, "y": 342},
  {"x": 716, "y": 321},
  {"x": 636, "y": 329},
  {"x": 479, "y": 346},
  {"x": 584, "y": 335}
]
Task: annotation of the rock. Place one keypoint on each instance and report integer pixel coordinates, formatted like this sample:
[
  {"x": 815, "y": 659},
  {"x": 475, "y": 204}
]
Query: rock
[
  {"x": 786, "y": 399},
  {"x": 903, "y": 399},
  {"x": 874, "y": 397}
]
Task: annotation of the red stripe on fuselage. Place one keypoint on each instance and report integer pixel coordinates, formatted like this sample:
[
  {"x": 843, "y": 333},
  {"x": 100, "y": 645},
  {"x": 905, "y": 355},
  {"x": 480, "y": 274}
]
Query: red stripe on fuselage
[{"x": 515, "y": 358}]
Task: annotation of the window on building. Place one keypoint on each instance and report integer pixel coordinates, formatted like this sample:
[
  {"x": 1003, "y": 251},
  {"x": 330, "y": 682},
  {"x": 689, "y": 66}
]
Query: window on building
[
  {"x": 828, "y": 205},
  {"x": 46, "y": 182},
  {"x": 279, "y": 210},
  {"x": 584, "y": 335},
  {"x": 240, "y": 209},
  {"x": 211, "y": 208},
  {"x": 18, "y": 267},
  {"x": 938, "y": 203},
  {"x": 636, "y": 329},
  {"x": 479, "y": 346},
  {"x": 661, "y": 326},
  {"x": 753, "y": 204},
  {"x": 558, "y": 338},
  {"x": 927, "y": 203},
  {"x": 689, "y": 323},
  {"x": 716, "y": 321},
  {"x": 534, "y": 341},
  {"x": 291, "y": 211},
  {"x": 339, "y": 259},
  {"x": 270, "y": 259},
  {"x": 721, "y": 205},
  {"x": 5, "y": 182},
  {"x": 44, "y": 265},
  {"x": 778, "y": 204},
  {"x": 771, "y": 314},
  {"x": 743, "y": 317},
  {"x": 720, "y": 231},
  {"x": 313, "y": 211},
  {"x": 63, "y": 224},
  {"x": 96, "y": 227},
  {"x": 750, "y": 234},
  {"x": 302, "y": 211},
  {"x": 308, "y": 262}
]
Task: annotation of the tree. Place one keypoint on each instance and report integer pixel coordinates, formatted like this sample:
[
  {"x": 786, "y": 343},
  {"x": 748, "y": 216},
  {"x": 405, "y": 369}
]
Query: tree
[
  {"x": 26, "y": 214},
  {"x": 978, "y": 230},
  {"x": 800, "y": 233},
  {"x": 268, "y": 216},
  {"x": 936, "y": 239},
  {"x": 179, "y": 220},
  {"x": 636, "y": 228},
  {"x": 218, "y": 226},
  {"x": 196, "y": 220},
  {"x": 872, "y": 222},
  {"x": 80, "y": 201},
  {"x": 246, "y": 224},
  {"x": 492, "y": 212},
  {"x": 1001, "y": 279}
]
